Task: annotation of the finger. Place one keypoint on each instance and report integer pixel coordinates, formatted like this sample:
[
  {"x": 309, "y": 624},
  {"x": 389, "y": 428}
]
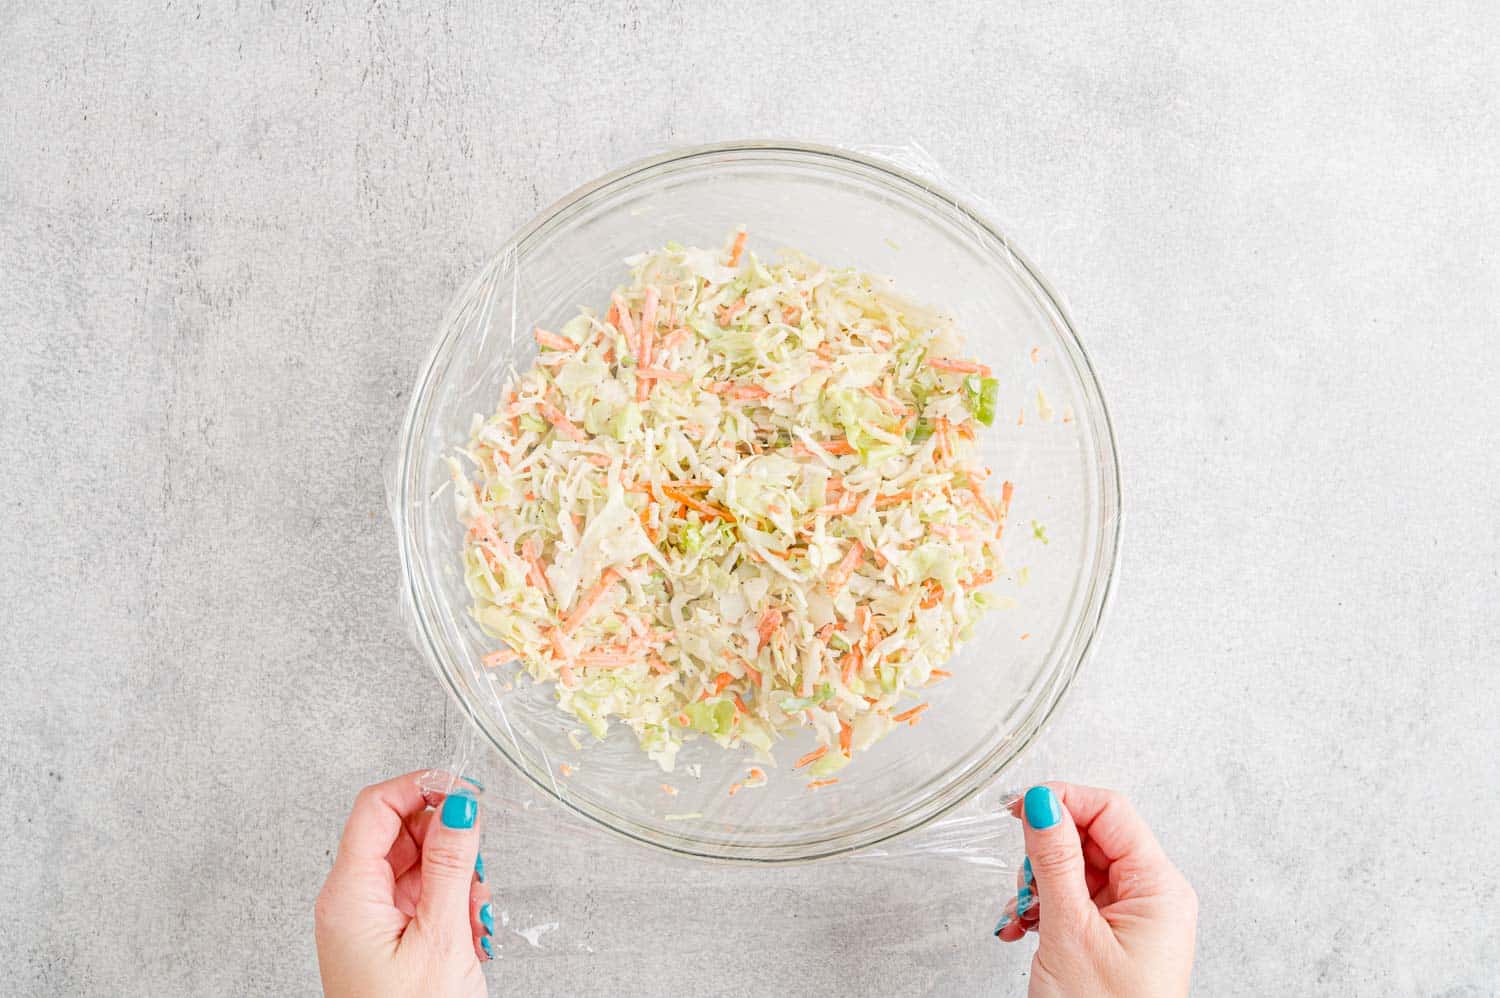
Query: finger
[
  {"x": 377, "y": 818},
  {"x": 448, "y": 855},
  {"x": 408, "y": 890},
  {"x": 405, "y": 852},
  {"x": 1009, "y": 927},
  {"x": 1111, "y": 822},
  {"x": 1024, "y": 876},
  {"x": 1094, "y": 856},
  {"x": 1056, "y": 854},
  {"x": 481, "y": 911},
  {"x": 1012, "y": 932}
]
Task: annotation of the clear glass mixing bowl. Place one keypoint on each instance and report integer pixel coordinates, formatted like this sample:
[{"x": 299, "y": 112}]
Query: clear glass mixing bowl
[{"x": 846, "y": 210}]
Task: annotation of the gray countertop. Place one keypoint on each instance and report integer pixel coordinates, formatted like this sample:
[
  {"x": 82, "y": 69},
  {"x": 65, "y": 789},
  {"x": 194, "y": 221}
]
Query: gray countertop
[{"x": 227, "y": 237}]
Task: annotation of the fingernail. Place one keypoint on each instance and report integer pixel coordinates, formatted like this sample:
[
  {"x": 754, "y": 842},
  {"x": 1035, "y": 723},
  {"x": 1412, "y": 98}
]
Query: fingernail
[
  {"x": 1042, "y": 808},
  {"x": 1025, "y": 869},
  {"x": 459, "y": 811},
  {"x": 470, "y": 780},
  {"x": 1024, "y": 900},
  {"x": 487, "y": 918},
  {"x": 479, "y": 868},
  {"x": 1004, "y": 921},
  {"x": 484, "y": 942}
]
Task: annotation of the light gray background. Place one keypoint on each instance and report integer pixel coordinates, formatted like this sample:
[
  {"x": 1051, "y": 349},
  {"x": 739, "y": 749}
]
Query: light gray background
[{"x": 226, "y": 237}]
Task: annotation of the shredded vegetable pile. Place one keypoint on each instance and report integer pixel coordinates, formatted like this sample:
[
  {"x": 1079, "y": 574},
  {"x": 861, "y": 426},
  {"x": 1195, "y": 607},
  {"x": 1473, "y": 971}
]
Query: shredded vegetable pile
[{"x": 743, "y": 501}]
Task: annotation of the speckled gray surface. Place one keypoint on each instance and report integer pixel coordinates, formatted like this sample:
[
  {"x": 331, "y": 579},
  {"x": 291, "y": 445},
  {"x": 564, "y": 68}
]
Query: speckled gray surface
[{"x": 226, "y": 236}]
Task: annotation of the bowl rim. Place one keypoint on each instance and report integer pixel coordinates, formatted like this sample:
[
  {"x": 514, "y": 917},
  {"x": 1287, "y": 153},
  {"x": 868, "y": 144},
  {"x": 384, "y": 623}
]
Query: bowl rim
[{"x": 1077, "y": 648}]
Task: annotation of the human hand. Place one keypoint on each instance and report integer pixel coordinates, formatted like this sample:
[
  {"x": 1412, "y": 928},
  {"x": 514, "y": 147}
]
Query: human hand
[
  {"x": 405, "y": 910},
  {"x": 1113, "y": 915}
]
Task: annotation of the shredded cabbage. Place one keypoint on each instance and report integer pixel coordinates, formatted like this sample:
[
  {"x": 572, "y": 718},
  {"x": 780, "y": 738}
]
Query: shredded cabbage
[{"x": 744, "y": 501}]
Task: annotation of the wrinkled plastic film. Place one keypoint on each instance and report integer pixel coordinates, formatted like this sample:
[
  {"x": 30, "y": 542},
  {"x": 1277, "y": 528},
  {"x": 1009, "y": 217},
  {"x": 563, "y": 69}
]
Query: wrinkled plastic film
[{"x": 553, "y": 783}]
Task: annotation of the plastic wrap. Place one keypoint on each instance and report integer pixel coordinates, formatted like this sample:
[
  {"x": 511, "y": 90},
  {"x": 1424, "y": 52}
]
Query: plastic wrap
[{"x": 923, "y": 797}]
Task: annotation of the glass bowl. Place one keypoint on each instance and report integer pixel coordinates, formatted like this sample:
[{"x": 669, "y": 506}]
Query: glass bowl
[{"x": 846, "y": 210}]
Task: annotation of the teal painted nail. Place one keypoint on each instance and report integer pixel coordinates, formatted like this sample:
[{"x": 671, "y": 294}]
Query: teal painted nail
[
  {"x": 1025, "y": 868},
  {"x": 479, "y": 868},
  {"x": 484, "y": 941},
  {"x": 1042, "y": 808},
  {"x": 487, "y": 918},
  {"x": 1004, "y": 921},
  {"x": 474, "y": 782},
  {"x": 459, "y": 811},
  {"x": 1024, "y": 900}
]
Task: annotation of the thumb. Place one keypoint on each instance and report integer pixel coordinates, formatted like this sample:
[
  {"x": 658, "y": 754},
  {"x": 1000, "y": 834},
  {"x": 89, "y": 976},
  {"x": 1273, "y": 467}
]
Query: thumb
[
  {"x": 1056, "y": 854},
  {"x": 448, "y": 855}
]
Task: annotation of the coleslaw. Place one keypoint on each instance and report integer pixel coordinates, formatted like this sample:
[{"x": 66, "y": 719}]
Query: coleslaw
[{"x": 743, "y": 501}]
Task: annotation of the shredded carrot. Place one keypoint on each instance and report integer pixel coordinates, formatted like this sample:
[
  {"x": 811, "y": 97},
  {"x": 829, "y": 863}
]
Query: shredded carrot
[
  {"x": 496, "y": 659},
  {"x": 536, "y": 575},
  {"x": 951, "y": 366},
  {"x": 824, "y": 350},
  {"x": 791, "y": 315},
  {"x": 669, "y": 790},
  {"x": 853, "y": 660},
  {"x": 1036, "y": 354},
  {"x": 620, "y": 317},
  {"x": 739, "y": 705},
  {"x": 812, "y": 757},
  {"x": 735, "y": 788},
  {"x": 934, "y": 595},
  {"x": 597, "y": 460},
  {"x": 608, "y": 658},
  {"x": 1026, "y": 635},
  {"x": 658, "y": 666},
  {"x": 648, "y": 342},
  {"x": 846, "y": 736},
  {"x": 846, "y": 504},
  {"x": 722, "y": 680},
  {"x": 565, "y": 671},
  {"x": 590, "y": 599},
  {"x": 881, "y": 502},
  {"x": 845, "y": 568},
  {"x": 756, "y": 773},
  {"x": 815, "y": 784},
  {"x": 983, "y": 578},
  {"x": 754, "y": 674},
  {"x": 907, "y": 715},
  {"x": 565, "y": 769},
  {"x": 558, "y": 419},
  {"x": 769, "y": 622},
  {"x": 738, "y": 248},
  {"x": 941, "y": 673},
  {"x": 707, "y": 509},
  {"x": 552, "y": 341},
  {"x": 726, "y": 313}
]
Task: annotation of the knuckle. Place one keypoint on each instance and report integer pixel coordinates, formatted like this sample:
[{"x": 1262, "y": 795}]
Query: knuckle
[
  {"x": 1055, "y": 857},
  {"x": 447, "y": 858}
]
